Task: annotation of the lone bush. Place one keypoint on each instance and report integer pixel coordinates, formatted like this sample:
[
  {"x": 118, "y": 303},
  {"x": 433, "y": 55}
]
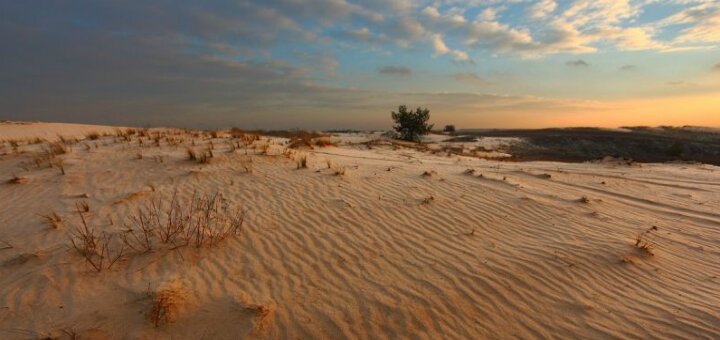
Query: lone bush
[{"x": 411, "y": 125}]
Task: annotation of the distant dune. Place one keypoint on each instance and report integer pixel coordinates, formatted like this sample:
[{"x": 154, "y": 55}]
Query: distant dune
[{"x": 115, "y": 233}]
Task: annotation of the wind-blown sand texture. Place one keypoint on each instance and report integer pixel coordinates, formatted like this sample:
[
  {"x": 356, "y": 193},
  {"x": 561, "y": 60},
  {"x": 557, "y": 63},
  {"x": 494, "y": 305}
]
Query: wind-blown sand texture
[{"x": 405, "y": 244}]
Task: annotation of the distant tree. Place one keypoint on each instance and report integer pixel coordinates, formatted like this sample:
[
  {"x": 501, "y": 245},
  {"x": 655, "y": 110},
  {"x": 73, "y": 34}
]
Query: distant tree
[
  {"x": 449, "y": 128},
  {"x": 411, "y": 125}
]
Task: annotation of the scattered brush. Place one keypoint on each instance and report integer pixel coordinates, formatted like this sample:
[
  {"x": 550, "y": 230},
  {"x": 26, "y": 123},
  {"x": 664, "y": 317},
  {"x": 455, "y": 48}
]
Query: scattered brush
[
  {"x": 201, "y": 221},
  {"x": 470, "y": 172},
  {"x": 56, "y": 148},
  {"x": 200, "y": 156},
  {"x": 139, "y": 156},
  {"x": 192, "y": 155},
  {"x": 53, "y": 220},
  {"x": 100, "y": 250},
  {"x": 584, "y": 200}
]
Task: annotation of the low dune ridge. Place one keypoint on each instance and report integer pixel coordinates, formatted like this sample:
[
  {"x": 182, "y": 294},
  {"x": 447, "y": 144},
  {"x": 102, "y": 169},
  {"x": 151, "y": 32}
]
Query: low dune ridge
[{"x": 359, "y": 238}]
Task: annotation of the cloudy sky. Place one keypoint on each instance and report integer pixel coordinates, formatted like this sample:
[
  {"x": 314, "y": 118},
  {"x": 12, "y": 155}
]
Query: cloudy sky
[{"x": 347, "y": 63}]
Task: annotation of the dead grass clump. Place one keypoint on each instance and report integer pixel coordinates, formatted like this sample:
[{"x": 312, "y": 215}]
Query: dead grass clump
[
  {"x": 584, "y": 200},
  {"x": 202, "y": 157},
  {"x": 82, "y": 206},
  {"x": 428, "y": 200},
  {"x": 93, "y": 135},
  {"x": 100, "y": 250},
  {"x": 203, "y": 220},
  {"x": 164, "y": 306},
  {"x": 56, "y": 149},
  {"x": 470, "y": 172},
  {"x": 53, "y": 220}
]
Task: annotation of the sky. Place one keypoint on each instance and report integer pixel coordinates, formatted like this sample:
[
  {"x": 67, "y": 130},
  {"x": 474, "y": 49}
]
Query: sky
[{"x": 336, "y": 64}]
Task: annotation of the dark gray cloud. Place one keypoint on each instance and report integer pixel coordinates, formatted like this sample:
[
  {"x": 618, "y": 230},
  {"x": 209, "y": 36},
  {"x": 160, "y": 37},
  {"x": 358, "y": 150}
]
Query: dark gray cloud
[
  {"x": 469, "y": 77},
  {"x": 395, "y": 70},
  {"x": 577, "y": 63}
]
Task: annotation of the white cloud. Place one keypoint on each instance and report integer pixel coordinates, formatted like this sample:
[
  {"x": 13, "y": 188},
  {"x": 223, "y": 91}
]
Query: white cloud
[
  {"x": 542, "y": 8},
  {"x": 440, "y": 48}
]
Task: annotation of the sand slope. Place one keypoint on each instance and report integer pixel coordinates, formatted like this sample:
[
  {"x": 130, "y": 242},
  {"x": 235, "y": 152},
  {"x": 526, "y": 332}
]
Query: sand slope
[{"x": 511, "y": 250}]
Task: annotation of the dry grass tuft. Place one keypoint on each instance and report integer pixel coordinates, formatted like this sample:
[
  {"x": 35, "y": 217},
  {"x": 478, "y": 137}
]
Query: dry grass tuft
[
  {"x": 100, "y": 250},
  {"x": 94, "y": 135},
  {"x": 53, "y": 220},
  {"x": 202, "y": 157},
  {"x": 82, "y": 206},
  {"x": 164, "y": 306}
]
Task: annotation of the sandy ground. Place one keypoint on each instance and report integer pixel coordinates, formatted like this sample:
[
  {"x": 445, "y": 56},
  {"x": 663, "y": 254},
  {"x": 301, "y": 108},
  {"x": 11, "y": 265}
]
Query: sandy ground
[{"x": 506, "y": 250}]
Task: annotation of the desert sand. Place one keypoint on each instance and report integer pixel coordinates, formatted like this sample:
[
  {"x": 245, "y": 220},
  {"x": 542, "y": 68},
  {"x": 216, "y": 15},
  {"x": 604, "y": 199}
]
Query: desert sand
[{"x": 368, "y": 241}]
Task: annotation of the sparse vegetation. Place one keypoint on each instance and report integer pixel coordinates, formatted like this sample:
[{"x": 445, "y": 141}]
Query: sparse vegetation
[
  {"x": 200, "y": 221},
  {"x": 100, "y": 250},
  {"x": 94, "y": 135}
]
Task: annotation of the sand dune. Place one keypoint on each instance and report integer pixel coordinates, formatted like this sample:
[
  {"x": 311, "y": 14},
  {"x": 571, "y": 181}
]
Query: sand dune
[{"x": 474, "y": 249}]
